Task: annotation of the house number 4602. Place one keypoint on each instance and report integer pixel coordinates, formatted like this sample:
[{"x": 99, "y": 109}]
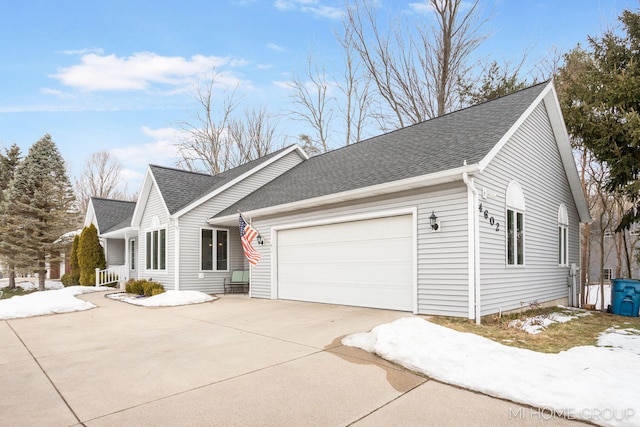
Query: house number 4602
[{"x": 492, "y": 220}]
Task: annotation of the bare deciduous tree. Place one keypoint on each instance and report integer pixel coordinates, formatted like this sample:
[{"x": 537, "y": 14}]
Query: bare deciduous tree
[
  {"x": 312, "y": 102},
  {"x": 100, "y": 178},
  {"x": 415, "y": 69},
  {"x": 216, "y": 140}
]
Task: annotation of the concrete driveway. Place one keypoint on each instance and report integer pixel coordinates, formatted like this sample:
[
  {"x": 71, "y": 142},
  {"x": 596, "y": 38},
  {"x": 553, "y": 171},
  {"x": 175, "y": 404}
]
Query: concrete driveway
[{"x": 234, "y": 361}]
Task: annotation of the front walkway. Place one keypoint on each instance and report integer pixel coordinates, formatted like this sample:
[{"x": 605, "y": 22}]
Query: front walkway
[{"x": 234, "y": 361}]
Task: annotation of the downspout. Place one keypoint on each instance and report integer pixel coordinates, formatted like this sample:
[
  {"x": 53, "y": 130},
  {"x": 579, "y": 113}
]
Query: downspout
[
  {"x": 176, "y": 255},
  {"x": 474, "y": 248}
]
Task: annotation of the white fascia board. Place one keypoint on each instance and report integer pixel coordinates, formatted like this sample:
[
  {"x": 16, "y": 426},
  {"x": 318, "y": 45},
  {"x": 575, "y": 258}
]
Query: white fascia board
[
  {"x": 512, "y": 130},
  {"x": 566, "y": 154},
  {"x": 119, "y": 233},
  {"x": 143, "y": 198},
  {"x": 245, "y": 175},
  {"x": 90, "y": 215},
  {"x": 443, "y": 177}
]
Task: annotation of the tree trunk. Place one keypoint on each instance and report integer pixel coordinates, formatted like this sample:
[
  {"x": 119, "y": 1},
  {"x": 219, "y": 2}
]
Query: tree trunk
[
  {"x": 42, "y": 274},
  {"x": 12, "y": 276}
]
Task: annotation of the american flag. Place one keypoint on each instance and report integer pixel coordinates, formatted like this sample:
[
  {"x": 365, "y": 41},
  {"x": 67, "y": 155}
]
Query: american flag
[{"x": 247, "y": 234}]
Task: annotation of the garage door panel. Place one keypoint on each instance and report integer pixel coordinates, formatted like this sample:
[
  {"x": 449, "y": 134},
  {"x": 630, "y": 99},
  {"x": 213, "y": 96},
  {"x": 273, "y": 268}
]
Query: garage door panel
[{"x": 365, "y": 263}]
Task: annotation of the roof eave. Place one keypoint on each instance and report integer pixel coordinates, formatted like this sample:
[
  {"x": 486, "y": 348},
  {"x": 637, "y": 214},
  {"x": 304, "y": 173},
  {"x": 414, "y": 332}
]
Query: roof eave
[
  {"x": 240, "y": 178},
  {"x": 428, "y": 180}
]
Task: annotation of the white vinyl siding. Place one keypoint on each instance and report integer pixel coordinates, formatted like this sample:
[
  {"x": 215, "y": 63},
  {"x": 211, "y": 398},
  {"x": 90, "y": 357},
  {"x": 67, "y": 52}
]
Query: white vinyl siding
[
  {"x": 530, "y": 157},
  {"x": 155, "y": 208},
  {"x": 115, "y": 251},
  {"x": 192, "y": 277},
  {"x": 442, "y": 269}
]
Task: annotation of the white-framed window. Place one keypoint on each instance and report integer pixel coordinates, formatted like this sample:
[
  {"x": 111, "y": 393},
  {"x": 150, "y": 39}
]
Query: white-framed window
[
  {"x": 515, "y": 224},
  {"x": 132, "y": 255},
  {"x": 563, "y": 236},
  {"x": 156, "y": 246},
  {"x": 607, "y": 274},
  {"x": 609, "y": 234},
  {"x": 214, "y": 249}
]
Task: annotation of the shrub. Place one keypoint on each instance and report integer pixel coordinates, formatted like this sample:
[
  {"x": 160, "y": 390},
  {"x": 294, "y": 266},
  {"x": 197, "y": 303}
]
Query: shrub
[
  {"x": 73, "y": 262},
  {"x": 69, "y": 280},
  {"x": 153, "y": 288},
  {"x": 90, "y": 255},
  {"x": 144, "y": 287}
]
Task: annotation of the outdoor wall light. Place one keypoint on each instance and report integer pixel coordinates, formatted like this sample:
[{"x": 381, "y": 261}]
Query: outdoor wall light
[
  {"x": 259, "y": 240},
  {"x": 434, "y": 221}
]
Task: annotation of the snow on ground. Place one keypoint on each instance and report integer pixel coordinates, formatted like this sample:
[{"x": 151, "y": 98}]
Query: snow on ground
[
  {"x": 536, "y": 324},
  {"x": 47, "y": 302},
  {"x": 166, "y": 299},
  {"x": 31, "y": 284},
  {"x": 597, "y": 384}
]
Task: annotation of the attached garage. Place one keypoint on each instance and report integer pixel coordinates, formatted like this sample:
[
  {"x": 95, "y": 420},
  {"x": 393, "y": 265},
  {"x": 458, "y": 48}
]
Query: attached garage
[{"x": 367, "y": 263}]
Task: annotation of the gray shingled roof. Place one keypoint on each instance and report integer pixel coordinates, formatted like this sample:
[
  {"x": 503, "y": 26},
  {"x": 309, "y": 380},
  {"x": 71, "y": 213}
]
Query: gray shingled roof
[
  {"x": 112, "y": 214},
  {"x": 432, "y": 146},
  {"x": 179, "y": 188}
]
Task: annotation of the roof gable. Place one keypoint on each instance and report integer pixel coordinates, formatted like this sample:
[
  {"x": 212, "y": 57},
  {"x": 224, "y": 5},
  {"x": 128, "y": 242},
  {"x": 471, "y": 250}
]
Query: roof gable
[
  {"x": 441, "y": 144},
  {"x": 182, "y": 190},
  {"x": 112, "y": 214}
]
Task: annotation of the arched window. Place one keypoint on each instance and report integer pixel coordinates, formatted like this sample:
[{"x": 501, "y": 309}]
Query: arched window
[
  {"x": 515, "y": 224},
  {"x": 563, "y": 236}
]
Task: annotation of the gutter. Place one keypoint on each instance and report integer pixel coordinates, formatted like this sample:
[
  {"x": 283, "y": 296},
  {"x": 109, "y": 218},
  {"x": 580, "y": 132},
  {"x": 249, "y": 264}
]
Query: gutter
[
  {"x": 474, "y": 248},
  {"x": 420, "y": 181}
]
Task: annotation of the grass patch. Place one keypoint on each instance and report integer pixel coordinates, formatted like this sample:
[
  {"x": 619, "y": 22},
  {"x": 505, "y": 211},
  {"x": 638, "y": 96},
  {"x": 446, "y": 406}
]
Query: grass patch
[
  {"x": 557, "y": 337},
  {"x": 8, "y": 293}
]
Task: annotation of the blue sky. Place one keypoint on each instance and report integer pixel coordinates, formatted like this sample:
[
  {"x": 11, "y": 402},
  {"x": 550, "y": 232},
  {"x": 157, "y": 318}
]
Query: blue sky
[{"x": 118, "y": 75}]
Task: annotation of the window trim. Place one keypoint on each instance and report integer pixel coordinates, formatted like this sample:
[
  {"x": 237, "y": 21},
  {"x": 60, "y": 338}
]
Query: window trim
[
  {"x": 563, "y": 236},
  {"x": 214, "y": 256},
  {"x": 515, "y": 202},
  {"x": 610, "y": 270},
  {"x": 155, "y": 255},
  {"x": 132, "y": 254}
]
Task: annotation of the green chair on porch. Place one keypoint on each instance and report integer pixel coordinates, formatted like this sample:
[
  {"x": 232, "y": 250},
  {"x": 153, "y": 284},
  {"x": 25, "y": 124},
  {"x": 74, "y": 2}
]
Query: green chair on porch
[{"x": 238, "y": 283}]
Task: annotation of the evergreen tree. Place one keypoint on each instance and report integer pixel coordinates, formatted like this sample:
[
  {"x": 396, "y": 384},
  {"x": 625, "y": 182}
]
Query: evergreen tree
[
  {"x": 90, "y": 255},
  {"x": 601, "y": 105},
  {"x": 8, "y": 165},
  {"x": 40, "y": 206},
  {"x": 73, "y": 261}
]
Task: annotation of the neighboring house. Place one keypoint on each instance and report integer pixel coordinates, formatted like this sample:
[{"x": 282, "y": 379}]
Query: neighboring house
[
  {"x": 616, "y": 257},
  {"x": 467, "y": 214},
  {"x": 165, "y": 235}
]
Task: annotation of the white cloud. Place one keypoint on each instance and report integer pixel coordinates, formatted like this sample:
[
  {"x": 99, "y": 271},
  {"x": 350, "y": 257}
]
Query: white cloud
[
  {"x": 55, "y": 92},
  {"x": 275, "y": 47},
  {"x": 161, "y": 151},
  {"x": 264, "y": 66},
  {"x": 310, "y": 6},
  {"x": 422, "y": 7},
  {"x": 98, "y": 72}
]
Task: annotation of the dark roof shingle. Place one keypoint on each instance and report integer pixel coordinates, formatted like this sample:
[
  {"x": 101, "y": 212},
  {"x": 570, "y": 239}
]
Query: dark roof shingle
[
  {"x": 436, "y": 145},
  {"x": 179, "y": 188},
  {"x": 112, "y": 214}
]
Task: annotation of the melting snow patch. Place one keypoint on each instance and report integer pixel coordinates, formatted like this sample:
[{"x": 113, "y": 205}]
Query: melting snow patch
[
  {"x": 47, "y": 302},
  {"x": 166, "y": 299},
  {"x": 536, "y": 324},
  {"x": 588, "y": 382},
  {"x": 622, "y": 339}
]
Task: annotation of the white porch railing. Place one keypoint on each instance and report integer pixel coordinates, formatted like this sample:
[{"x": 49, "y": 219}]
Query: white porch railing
[{"x": 113, "y": 274}]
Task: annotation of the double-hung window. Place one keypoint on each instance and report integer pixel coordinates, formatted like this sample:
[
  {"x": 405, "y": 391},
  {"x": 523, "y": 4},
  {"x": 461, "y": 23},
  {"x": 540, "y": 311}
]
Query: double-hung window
[
  {"x": 214, "y": 250},
  {"x": 563, "y": 236},
  {"x": 515, "y": 224}
]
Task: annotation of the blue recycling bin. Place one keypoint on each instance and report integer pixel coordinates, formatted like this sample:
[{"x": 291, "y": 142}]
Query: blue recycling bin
[{"x": 625, "y": 297}]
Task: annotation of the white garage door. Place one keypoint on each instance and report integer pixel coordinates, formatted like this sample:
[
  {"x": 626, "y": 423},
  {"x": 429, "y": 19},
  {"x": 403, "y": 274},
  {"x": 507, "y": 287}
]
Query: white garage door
[{"x": 366, "y": 263}]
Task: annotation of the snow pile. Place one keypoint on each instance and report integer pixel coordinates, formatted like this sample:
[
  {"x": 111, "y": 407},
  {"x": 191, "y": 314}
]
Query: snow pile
[
  {"x": 32, "y": 285},
  {"x": 536, "y": 324},
  {"x": 167, "y": 299},
  {"x": 596, "y": 384},
  {"x": 47, "y": 302},
  {"x": 625, "y": 339}
]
